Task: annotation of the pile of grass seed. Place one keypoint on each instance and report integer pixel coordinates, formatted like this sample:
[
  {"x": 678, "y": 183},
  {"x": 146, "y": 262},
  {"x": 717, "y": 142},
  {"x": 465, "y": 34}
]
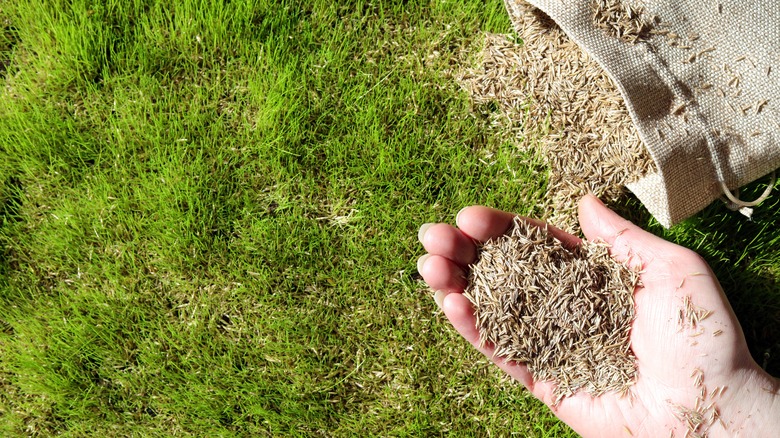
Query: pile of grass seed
[
  {"x": 553, "y": 97},
  {"x": 565, "y": 312}
]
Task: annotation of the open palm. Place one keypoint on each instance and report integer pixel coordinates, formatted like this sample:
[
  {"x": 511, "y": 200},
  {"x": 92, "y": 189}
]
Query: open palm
[{"x": 695, "y": 379}]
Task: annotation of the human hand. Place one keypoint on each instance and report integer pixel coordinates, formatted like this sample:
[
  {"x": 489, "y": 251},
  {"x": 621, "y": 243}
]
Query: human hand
[{"x": 690, "y": 381}]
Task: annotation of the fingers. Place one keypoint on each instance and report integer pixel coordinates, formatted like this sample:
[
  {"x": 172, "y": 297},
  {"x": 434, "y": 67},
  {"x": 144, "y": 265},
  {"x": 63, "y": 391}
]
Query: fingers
[
  {"x": 628, "y": 241},
  {"x": 442, "y": 273},
  {"x": 447, "y": 241},
  {"x": 461, "y": 314},
  {"x": 484, "y": 223},
  {"x": 451, "y": 250}
]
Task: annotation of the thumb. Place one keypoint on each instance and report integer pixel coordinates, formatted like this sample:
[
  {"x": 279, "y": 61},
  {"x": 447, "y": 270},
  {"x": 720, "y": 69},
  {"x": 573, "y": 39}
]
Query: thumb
[{"x": 628, "y": 242}]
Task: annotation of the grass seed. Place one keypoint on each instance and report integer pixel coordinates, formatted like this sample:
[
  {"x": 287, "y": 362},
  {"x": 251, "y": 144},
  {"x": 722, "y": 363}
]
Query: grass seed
[
  {"x": 553, "y": 97},
  {"x": 621, "y": 19},
  {"x": 566, "y": 313}
]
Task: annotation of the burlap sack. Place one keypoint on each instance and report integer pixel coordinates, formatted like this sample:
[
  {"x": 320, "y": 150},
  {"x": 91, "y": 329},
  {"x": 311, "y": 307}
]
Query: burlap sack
[{"x": 700, "y": 80}]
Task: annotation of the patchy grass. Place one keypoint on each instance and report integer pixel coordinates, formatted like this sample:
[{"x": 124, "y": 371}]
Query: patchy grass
[{"x": 208, "y": 218}]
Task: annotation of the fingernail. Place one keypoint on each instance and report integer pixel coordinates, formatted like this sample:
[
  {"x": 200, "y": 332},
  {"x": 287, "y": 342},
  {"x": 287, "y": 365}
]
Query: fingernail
[
  {"x": 457, "y": 216},
  {"x": 438, "y": 297},
  {"x": 423, "y": 229},
  {"x": 595, "y": 198},
  {"x": 421, "y": 262}
]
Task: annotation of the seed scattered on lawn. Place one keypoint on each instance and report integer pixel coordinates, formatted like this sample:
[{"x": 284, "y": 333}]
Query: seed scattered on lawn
[
  {"x": 553, "y": 97},
  {"x": 566, "y": 313}
]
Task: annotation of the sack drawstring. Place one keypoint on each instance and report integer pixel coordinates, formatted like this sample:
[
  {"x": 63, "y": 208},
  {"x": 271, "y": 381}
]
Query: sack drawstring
[{"x": 740, "y": 203}]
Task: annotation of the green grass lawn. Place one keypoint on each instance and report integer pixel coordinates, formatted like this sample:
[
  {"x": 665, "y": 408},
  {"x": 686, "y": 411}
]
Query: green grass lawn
[{"x": 208, "y": 219}]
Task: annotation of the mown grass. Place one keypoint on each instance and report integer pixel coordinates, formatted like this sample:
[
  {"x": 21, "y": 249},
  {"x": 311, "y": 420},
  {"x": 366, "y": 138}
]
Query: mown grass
[
  {"x": 210, "y": 214},
  {"x": 209, "y": 217}
]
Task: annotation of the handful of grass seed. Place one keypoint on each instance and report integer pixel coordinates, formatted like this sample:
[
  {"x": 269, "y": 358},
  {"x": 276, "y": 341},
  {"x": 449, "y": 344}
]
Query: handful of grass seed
[{"x": 564, "y": 312}]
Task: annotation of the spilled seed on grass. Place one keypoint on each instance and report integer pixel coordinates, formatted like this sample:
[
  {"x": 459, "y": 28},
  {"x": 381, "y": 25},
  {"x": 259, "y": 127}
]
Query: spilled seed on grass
[
  {"x": 554, "y": 98},
  {"x": 566, "y": 313}
]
